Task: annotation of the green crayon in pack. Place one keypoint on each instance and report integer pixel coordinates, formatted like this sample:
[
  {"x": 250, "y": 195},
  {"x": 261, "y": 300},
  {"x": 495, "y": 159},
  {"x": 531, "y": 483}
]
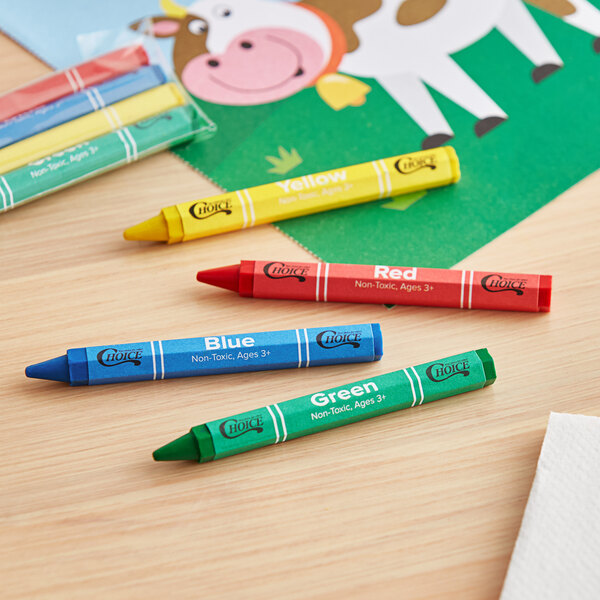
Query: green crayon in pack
[{"x": 98, "y": 155}]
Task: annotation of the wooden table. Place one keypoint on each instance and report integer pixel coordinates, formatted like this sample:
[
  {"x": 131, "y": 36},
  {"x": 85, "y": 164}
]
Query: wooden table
[{"x": 419, "y": 504}]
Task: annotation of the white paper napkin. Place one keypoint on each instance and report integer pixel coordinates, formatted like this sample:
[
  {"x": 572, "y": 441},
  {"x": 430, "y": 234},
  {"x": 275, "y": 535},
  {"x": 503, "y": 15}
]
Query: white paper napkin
[{"x": 557, "y": 553}]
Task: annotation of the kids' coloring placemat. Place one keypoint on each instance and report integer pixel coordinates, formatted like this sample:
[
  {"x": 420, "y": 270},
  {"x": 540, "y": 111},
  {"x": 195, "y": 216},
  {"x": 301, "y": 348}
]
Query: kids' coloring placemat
[{"x": 297, "y": 88}]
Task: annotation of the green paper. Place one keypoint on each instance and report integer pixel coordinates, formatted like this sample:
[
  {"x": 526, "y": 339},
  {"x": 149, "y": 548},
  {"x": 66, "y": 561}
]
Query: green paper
[{"x": 548, "y": 144}]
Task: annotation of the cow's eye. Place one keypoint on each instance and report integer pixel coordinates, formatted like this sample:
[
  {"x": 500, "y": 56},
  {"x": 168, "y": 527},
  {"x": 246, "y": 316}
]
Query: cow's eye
[
  {"x": 223, "y": 11},
  {"x": 197, "y": 26}
]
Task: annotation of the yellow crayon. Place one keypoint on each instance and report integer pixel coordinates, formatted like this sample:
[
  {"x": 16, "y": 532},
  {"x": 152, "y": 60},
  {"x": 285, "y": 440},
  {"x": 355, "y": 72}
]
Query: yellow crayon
[
  {"x": 103, "y": 121},
  {"x": 300, "y": 196}
]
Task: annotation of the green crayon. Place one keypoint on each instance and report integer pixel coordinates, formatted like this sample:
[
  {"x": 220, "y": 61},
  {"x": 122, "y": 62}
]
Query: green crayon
[
  {"x": 97, "y": 155},
  {"x": 335, "y": 407}
]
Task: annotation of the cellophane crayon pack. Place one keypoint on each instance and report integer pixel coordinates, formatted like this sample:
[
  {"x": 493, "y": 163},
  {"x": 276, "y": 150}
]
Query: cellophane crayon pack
[{"x": 71, "y": 125}]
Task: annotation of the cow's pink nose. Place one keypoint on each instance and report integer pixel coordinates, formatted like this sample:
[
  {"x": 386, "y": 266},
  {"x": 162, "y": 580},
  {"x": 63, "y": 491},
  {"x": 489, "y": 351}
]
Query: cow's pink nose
[{"x": 258, "y": 66}]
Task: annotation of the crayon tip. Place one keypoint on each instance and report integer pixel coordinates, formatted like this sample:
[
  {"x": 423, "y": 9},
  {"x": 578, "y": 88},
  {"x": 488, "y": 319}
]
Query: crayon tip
[
  {"x": 55, "y": 369},
  {"x": 223, "y": 277},
  {"x": 152, "y": 230},
  {"x": 183, "y": 448}
]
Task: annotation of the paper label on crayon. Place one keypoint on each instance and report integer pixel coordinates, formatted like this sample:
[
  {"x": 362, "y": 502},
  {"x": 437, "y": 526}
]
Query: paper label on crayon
[
  {"x": 316, "y": 192},
  {"x": 347, "y": 404},
  {"x": 295, "y": 348},
  {"x": 327, "y": 282}
]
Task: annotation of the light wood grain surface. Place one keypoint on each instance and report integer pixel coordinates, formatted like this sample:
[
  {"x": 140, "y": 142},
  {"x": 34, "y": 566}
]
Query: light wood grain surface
[{"x": 424, "y": 503}]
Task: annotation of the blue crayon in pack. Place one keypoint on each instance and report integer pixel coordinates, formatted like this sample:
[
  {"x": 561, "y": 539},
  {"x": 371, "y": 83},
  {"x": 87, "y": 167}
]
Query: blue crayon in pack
[
  {"x": 212, "y": 355},
  {"x": 79, "y": 104}
]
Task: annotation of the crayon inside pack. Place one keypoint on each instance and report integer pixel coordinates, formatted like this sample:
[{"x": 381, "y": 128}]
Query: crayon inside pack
[
  {"x": 91, "y": 118},
  {"x": 63, "y": 83}
]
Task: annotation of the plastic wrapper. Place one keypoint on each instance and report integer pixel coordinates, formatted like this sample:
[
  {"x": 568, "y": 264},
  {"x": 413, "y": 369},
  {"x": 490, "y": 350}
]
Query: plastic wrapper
[{"x": 90, "y": 118}]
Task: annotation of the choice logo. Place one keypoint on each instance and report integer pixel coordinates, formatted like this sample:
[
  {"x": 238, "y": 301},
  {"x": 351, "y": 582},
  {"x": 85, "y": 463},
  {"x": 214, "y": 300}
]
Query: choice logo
[
  {"x": 442, "y": 371},
  {"x": 233, "y": 428},
  {"x": 111, "y": 357},
  {"x": 409, "y": 164},
  {"x": 332, "y": 339},
  {"x": 497, "y": 283},
  {"x": 279, "y": 270},
  {"x": 204, "y": 209},
  {"x": 152, "y": 121}
]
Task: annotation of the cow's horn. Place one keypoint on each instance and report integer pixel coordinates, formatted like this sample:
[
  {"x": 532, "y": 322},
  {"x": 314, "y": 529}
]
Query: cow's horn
[{"x": 172, "y": 9}]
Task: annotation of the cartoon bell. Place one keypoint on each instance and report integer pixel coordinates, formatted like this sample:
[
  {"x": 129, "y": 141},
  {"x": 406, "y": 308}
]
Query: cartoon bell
[{"x": 340, "y": 91}]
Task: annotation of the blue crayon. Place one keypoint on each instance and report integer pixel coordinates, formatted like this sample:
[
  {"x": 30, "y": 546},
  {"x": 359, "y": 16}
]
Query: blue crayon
[
  {"x": 212, "y": 355},
  {"x": 79, "y": 104}
]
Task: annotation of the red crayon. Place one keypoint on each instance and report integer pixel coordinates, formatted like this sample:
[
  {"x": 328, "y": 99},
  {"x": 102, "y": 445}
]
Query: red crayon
[
  {"x": 72, "y": 80},
  {"x": 379, "y": 284}
]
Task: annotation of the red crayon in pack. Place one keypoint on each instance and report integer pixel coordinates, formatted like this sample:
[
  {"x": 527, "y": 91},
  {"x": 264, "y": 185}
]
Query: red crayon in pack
[
  {"x": 379, "y": 284},
  {"x": 72, "y": 80}
]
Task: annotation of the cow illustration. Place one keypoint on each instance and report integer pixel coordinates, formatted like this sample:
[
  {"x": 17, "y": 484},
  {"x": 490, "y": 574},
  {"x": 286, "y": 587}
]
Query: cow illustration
[{"x": 244, "y": 52}]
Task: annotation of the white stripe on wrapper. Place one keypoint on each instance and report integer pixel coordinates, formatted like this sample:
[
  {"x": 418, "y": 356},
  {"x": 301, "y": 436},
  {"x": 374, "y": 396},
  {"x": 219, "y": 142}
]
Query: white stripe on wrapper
[
  {"x": 251, "y": 207},
  {"x": 412, "y": 387},
  {"x": 274, "y": 424},
  {"x": 133, "y": 142},
  {"x": 282, "y": 422},
  {"x": 299, "y": 348},
  {"x": 307, "y": 348},
  {"x": 162, "y": 360},
  {"x": 11, "y": 198},
  {"x": 153, "y": 360},
  {"x": 77, "y": 78},
  {"x": 388, "y": 182},
  {"x": 243, "y": 203},
  {"x": 125, "y": 143},
  {"x": 471, "y": 288},
  {"x": 92, "y": 99},
  {"x": 71, "y": 81},
  {"x": 318, "y": 281},
  {"x": 420, "y": 385},
  {"x": 379, "y": 181}
]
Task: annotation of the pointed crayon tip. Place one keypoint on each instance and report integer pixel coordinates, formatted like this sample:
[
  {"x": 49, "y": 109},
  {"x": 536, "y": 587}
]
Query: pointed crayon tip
[
  {"x": 223, "y": 277},
  {"x": 152, "y": 230},
  {"x": 55, "y": 369},
  {"x": 183, "y": 448}
]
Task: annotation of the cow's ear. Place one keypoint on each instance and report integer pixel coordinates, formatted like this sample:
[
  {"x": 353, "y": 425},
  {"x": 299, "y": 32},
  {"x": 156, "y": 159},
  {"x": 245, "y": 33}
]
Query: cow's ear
[{"x": 161, "y": 27}]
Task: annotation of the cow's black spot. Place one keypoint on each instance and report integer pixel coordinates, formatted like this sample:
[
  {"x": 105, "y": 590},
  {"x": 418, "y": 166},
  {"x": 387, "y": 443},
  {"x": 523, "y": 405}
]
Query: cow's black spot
[
  {"x": 246, "y": 45},
  {"x": 213, "y": 63}
]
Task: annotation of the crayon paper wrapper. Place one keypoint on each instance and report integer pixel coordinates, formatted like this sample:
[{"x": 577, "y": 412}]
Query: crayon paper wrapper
[
  {"x": 328, "y": 190},
  {"x": 213, "y": 355},
  {"x": 331, "y": 282},
  {"x": 347, "y": 404}
]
